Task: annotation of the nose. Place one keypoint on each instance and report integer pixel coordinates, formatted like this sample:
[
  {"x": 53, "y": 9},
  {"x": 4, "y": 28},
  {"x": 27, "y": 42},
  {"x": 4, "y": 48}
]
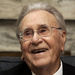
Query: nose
[{"x": 36, "y": 39}]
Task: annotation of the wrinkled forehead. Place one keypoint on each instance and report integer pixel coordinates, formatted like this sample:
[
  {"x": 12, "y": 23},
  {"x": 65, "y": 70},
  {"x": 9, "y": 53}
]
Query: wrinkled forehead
[{"x": 38, "y": 17}]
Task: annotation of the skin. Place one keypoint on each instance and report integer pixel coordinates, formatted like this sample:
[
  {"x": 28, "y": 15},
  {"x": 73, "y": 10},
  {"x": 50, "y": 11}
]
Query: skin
[{"x": 45, "y": 63}]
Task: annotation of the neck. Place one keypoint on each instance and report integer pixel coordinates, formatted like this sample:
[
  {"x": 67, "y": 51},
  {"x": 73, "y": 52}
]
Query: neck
[{"x": 48, "y": 69}]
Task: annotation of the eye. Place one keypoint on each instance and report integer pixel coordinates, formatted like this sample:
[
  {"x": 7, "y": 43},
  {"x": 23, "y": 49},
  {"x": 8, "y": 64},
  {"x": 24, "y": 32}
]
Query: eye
[
  {"x": 27, "y": 33},
  {"x": 43, "y": 30}
]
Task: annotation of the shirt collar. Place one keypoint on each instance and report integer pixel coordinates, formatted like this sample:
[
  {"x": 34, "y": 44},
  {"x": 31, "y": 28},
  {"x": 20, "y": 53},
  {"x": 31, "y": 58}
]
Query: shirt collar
[{"x": 59, "y": 71}]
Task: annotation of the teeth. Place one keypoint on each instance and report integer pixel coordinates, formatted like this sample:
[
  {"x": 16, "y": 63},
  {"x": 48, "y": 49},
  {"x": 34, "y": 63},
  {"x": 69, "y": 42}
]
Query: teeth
[{"x": 38, "y": 50}]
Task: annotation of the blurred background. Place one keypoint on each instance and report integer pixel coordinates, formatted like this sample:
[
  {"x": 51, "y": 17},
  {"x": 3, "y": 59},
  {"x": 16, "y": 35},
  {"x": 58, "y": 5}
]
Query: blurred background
[{"x": 9, "y": 12}]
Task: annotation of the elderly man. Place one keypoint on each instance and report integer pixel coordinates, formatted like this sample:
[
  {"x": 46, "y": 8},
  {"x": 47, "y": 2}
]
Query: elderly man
[{"x": 42, "y": 35}]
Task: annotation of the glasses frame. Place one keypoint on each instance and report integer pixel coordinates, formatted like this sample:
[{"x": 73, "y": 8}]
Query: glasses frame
[{"x": 20, "y": 34}]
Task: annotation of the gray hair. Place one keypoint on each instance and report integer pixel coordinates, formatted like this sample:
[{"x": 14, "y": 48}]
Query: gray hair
[{"x": 43, "y": 6}]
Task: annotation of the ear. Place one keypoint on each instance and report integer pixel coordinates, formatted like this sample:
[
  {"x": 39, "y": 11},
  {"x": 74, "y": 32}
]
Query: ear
[
  {"x": 22, "y": 57},
  {"x": 64, "y": 36},
  {"x": 63, "y": 39}
]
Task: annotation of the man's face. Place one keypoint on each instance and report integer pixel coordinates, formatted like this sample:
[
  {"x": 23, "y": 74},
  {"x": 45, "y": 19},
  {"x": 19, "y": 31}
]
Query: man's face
[{"x": 37, "y": 50}]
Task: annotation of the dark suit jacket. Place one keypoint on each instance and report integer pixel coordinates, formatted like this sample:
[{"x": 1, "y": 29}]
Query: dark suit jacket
[{"x": 22, "y": 69}]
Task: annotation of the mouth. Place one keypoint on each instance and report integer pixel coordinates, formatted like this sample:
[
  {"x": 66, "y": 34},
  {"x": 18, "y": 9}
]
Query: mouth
[{"x": 36, "y": 51}]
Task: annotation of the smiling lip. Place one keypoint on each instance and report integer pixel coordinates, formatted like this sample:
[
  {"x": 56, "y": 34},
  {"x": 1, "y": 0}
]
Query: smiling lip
[{"x": 36, "y": 51}]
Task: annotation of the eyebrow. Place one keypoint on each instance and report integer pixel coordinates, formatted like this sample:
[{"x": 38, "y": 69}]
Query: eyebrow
[
  {"x": 27, "y": 29},
  {"x": 43, "y": 26},
  {"x": 39, "y": 26}
]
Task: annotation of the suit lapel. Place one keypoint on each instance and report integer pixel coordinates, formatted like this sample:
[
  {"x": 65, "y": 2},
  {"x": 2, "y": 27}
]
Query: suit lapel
[{"x": 68, "y": 69}]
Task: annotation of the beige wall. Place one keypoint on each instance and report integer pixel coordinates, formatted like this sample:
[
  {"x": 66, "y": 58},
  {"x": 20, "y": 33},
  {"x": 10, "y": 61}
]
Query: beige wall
[
  {"x": 9, "y": 42},
  {"x": 9, "y": 11}
]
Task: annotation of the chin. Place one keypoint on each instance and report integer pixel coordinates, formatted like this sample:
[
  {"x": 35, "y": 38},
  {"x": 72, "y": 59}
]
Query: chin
[{"x": 41, "y": 63}]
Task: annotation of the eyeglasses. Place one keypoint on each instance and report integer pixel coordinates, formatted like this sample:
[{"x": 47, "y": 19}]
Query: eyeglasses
[{"x": 29, "y": 33}]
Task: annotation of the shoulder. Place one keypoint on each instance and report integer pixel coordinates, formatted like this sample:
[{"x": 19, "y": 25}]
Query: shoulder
[
  {"x": 21, "y": 69},
  {"x": 68, "y": 69},
  {"x": 68, "y": 66}
]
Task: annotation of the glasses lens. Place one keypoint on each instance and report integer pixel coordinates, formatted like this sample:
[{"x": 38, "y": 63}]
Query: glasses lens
[
  {"x": 44, "y": 32},
  {"x": 28, "y": 34}
]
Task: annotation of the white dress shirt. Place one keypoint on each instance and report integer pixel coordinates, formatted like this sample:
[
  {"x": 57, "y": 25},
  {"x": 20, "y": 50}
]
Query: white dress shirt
[{"x": 58, "y": 72}]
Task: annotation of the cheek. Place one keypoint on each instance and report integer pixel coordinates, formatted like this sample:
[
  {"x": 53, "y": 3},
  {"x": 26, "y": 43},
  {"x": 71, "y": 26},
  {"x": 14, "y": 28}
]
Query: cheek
[
  {"x": 24, "y": 47},
  {"x": 55, "y": 47},
  {"x": 25, "y": 51},
  {"x": 57, "y": 42},
  {"x": 54, "y": 43}
]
